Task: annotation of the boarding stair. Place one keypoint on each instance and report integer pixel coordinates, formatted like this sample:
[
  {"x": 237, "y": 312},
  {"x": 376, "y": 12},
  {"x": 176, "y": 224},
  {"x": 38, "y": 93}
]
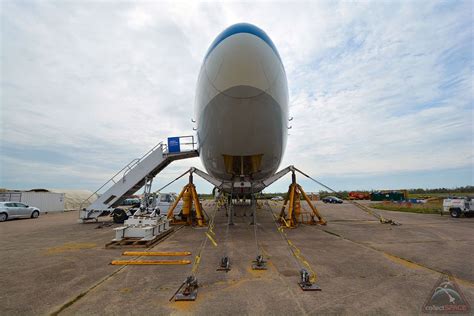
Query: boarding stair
[{"x": 134, "y": 176}]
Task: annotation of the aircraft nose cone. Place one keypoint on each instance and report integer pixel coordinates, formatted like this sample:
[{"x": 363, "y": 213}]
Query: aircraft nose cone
[{"x": 242, "y": 60}]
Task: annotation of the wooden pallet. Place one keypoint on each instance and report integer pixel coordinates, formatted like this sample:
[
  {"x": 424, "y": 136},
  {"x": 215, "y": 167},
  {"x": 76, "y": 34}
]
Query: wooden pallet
[{"x": 138, "y": 243}]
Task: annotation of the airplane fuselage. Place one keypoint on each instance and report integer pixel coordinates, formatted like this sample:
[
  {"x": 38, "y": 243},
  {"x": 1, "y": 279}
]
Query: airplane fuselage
[{"x": 241, "y": 106}]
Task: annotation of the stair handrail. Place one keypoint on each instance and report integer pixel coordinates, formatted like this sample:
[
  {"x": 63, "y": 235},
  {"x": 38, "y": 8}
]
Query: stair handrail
[
  {"x": 160, "y": 144},
  {"x": 128, "y": 166},
  {"x": 134, "y": 162},
  {"x": 107, "y": 182}
]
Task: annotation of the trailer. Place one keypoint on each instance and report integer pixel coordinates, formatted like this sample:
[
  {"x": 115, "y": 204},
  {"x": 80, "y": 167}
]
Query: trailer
[
  {"x": 389, "y": 195},
  {"x": 45, "y": 201},
  {"x": 354, "y": 195},
  {"x": 458, "y": 206}
]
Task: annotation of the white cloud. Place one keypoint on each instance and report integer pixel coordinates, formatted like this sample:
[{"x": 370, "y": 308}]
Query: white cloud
[{"x": 374, "y": 87}]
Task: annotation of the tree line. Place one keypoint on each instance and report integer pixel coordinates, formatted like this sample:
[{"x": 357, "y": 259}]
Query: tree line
[{"x": 345, "y": 194}]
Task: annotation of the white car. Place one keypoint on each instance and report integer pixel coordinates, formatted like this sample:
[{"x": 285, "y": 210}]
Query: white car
[
  {"x": 165, "y": 201},
  {"x": 9, "y": 210}
]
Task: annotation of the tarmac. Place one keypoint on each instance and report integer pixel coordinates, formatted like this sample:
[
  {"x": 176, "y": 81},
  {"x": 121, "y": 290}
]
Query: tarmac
[{"x": 54, "y": 265}]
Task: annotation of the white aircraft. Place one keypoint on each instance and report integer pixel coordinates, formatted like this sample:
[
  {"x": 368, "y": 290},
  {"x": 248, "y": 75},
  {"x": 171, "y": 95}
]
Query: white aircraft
[
  {"x": 241, "y": 114},
  {"x": 241, "y": 107}
]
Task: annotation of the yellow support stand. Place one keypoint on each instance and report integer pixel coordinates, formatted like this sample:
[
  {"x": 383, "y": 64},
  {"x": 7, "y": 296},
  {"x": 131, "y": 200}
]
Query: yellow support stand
[
  {"x": 295, "y": 191},
  {"x": 189, "y": 197}
]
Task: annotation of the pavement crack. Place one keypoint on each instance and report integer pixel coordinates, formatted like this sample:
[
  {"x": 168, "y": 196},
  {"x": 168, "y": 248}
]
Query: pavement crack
[
  {"x": 84, "y": 293},
  {"x": 332, "y": 233},
  {"x": 402, "y": 260}
]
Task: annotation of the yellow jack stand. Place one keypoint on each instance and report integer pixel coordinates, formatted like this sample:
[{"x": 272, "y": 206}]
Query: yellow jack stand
[
  {"x": 294, "y": 208},
  {"x": 189, "y": 197}
]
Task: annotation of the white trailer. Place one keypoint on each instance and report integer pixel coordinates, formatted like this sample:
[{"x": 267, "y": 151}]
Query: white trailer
[
  {"x": 458, "y": 206},
  {"x": 45, "y": 201}
]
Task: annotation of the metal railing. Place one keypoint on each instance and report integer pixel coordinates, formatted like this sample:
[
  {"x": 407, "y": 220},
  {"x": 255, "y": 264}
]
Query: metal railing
[
  {"x": 134, "y": 162},
  {"x": 125, "y": 170},
  {"x": 186, "y": 143}
]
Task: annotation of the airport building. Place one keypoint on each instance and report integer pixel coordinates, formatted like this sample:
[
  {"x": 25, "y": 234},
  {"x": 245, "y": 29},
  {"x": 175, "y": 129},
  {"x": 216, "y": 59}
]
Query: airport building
[{"x": 50, "y": 200}]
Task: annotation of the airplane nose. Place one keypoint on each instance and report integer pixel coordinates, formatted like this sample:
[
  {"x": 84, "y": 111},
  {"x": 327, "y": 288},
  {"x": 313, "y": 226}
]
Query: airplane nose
[{"x": 242, "y": 60}]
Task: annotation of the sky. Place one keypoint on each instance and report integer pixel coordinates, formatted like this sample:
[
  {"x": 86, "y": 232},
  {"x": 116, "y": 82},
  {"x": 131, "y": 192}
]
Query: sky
[{"x": 381, "y": 92}]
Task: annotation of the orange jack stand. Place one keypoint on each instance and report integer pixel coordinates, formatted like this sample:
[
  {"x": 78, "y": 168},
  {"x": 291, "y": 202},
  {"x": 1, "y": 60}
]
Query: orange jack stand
[
  {"x": 189, "y": 197},
  {"x": 294, "y": 208}
]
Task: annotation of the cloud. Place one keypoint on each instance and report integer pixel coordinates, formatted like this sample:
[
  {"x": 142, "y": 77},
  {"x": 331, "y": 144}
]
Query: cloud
[{"x": 375, "y": 87}]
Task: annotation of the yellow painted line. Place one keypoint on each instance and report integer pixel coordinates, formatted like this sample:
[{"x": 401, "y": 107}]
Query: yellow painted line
[
  {"x": 211, "y": 239},
  {"x": 156, "y": 253},
  {"x": 402, "y": 261},
  {"x": 414, "y": 265},
  {"x": 71, "y": 247},
  {"x": 149, "y": 262},
  {"x": 197, "y": 260}
]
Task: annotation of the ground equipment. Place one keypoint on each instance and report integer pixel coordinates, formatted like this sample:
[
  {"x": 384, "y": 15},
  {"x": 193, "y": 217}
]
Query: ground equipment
[
  {"x": 305, "y": 282},
  {"x": 354, "y": 195},
  {"x": 142, "y": 228},
  {"x": 259, "y": 263},
  {"x": 389, "y": 195},
  {"x": 458, "y": 206},
  {"x": 225, "y": 264},
  {"x": 157, "y": 253},
  {"x": 188, "y": 213},
  {"x": 187, "y": 291},
  {"x": 300, "y": 260},
  {"x": 133, "y": 176},
  {"x": 295, "y": 216},
  {"x": 149, "y": 262}
]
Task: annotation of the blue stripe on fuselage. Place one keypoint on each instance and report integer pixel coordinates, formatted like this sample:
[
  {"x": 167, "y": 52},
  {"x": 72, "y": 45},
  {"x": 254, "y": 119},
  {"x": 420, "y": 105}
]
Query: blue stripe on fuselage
[{"x": 242, "y": 28}]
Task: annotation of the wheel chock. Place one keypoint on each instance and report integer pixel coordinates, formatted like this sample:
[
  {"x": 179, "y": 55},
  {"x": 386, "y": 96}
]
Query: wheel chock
[
  {"x": 224, "y": 265},
  {"x": 305, "y": 283},
  {"x": 259, "y": 263}
]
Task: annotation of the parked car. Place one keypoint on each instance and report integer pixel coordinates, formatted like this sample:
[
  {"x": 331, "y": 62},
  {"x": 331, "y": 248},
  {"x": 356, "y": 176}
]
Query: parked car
[
  {"x": 166, "y": 200},
  {"x": 332, "y": 199},
  {"x": 9, "y": 210},
  {"x": 277, "y": 198},
  {"x": 134, "y": 202}
]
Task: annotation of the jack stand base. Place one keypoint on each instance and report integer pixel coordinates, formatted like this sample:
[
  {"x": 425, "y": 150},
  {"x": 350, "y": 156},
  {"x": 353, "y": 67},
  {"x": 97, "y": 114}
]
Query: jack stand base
[
  {"x": 190, "y": 290},
  {"x": 190, "y": 297},
  {"x": 305, "y": 283},
  {"x": 309, "y": 287},
  {"x": 225, "y": 264},
  {"x": 259, "y": 263}
]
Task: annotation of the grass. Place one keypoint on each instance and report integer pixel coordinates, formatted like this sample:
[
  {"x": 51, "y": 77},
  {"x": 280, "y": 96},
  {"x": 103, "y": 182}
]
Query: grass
[
  {"x": 431, "y": 207},
  {"x": 436, "y": 195},
  {"x": 434, "y": 204}
]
